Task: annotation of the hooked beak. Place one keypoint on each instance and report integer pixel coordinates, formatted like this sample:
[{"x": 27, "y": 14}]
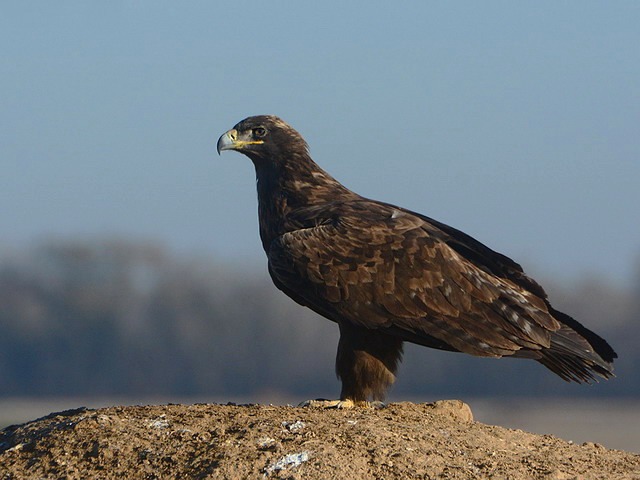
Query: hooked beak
[{"x": 227, "y": 141}]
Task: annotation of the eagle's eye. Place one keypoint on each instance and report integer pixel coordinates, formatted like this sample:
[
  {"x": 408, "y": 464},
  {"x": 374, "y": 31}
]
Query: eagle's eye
[{"x": 259, "y": 132}]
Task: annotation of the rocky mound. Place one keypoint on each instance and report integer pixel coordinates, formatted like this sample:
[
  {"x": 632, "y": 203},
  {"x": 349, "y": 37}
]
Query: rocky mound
[{"x": 404, "y": 440}]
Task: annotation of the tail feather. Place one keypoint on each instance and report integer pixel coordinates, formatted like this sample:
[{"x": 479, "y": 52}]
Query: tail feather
[
  {"x": 597, "y": 343},
  {"x": 576, "y": 353}
]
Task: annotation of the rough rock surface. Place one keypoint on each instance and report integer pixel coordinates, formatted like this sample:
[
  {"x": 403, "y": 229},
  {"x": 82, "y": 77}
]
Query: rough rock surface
[{"x": 404, "y": 440}]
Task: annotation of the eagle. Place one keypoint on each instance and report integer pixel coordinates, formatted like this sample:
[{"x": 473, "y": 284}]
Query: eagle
[{"x": 387, "y": 275}]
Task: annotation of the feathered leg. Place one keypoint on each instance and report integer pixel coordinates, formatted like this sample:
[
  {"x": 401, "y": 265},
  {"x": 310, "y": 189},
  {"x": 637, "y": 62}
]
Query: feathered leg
[{"x": 366, "y": 362}]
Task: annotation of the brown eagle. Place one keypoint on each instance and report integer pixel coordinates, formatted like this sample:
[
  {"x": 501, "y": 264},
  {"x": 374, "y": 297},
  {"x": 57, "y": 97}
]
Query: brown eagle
[{"x": 387, "y": 275}]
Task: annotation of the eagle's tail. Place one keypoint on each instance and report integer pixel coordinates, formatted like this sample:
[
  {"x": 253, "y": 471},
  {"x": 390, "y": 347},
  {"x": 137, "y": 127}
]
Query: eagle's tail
[{"x": 576, "y": 353}]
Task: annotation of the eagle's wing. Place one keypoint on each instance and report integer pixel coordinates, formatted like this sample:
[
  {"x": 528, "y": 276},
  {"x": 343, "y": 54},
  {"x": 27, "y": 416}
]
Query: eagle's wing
[{"x": 385, "y": 268}]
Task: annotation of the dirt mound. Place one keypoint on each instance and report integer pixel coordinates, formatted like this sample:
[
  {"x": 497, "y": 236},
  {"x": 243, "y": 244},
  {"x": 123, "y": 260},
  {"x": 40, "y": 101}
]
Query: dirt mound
[{"x": 404, "y": 440}]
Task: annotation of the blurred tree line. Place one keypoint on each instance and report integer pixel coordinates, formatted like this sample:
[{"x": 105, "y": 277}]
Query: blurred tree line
[{"x": 124, "y": 318}]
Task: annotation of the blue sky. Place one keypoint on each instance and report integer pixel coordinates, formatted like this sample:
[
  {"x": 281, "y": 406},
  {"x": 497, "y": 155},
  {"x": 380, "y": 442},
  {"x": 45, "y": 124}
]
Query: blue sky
[{"x": 515, "y": 122}]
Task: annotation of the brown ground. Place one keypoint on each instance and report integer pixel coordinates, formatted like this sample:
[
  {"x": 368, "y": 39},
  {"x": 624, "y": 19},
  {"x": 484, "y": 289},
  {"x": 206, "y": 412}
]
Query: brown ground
[{"x": 404, "y": 440}]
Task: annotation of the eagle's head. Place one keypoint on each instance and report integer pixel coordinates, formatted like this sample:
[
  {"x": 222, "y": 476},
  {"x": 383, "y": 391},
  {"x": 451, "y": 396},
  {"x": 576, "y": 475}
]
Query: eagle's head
[{"x": 263, "y": 137}]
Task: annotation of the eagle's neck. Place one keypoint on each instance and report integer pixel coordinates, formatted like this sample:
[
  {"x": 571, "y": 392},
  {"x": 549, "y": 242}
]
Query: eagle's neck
[{"x": 287, "y": 190}]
